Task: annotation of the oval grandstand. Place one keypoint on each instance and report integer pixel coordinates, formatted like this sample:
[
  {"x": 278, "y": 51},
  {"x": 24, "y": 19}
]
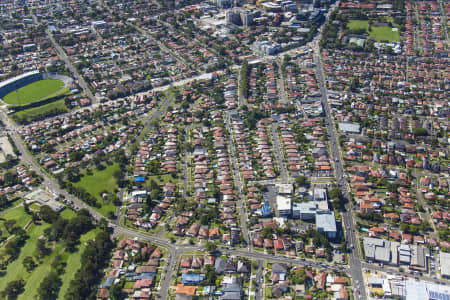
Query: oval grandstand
[{"x": 22, "y": 80}]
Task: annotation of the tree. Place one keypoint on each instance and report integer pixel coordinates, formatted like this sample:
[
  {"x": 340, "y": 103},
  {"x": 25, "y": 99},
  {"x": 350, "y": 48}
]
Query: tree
[
  {"x": 210, "y": 276},
  {"x": 9, "y": 225},
  {"x": 13, "y": 289},
  {"x": 301, "y": 180},
  {"x": 49, "y": 287},
  {"x": 47, "y": 214},
  {"x": 116, "y": 292},
  {"x": 210, "y": 247},
  {"x": 420, "y": 132},
  {"x": 42, "y": 248},
  {"x": 29, "y": 263}
]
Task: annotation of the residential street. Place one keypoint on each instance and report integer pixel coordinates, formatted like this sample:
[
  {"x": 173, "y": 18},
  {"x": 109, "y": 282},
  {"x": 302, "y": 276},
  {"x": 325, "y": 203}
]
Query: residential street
[
  {"x": 237, "y": 181},
  {"x": 279, "y": 155}
]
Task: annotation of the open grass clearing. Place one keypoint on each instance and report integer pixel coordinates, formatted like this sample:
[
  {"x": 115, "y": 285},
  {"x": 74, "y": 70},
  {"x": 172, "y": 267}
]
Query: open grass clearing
[
  {"x": 98, "y": 182},
  {"x": 34, "y": 91},
  {"x": 73, "y": 261},
  {"x": 68, "y": 214},
  {"x": 15, "y": 269},
  {"x": 18, "y": 214},
  {"x": 379, "y": 33},
  {"x": 33, "y": 279},
  {"x": 32, "y": 114},
  {"x": 385, "y": 33},
  {"x": 161, "y": 179}
]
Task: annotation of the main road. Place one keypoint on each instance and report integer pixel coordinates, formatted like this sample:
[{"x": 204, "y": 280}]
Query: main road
[
  {"x": 354, "y": 257},
  {"x": 62, "y": 55}
]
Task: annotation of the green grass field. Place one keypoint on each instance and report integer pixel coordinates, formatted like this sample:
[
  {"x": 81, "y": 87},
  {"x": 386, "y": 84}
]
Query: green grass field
[
  {"x": 34, "y": 91},
  {"x": 358, "y": 24},
  {"x": 73, "y": 261},
  {"x": 385, "y": 33},
  {"x": 68, "y": 214},
  {"x": 33, "y": 279},
  {"x": 101, "y": 181},
  {"x": 380, "y": 33},
  {"x": 35, "y": 113},
  {"x": 164, "y": 179},
  {"x": 15, "y": 269},
  {"x": 18, "y": 214}
]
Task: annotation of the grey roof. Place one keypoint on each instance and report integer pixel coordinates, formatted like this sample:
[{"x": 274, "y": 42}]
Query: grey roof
[
  {"x": 326, "y": 222},
  {"x": 219, "y": 266},
  {"x": 445, "y": 263},
  {"x": 231, "y": 296},
  {"x": 418, "y": 256},
  {"x": 370, "y": 246},
  {"x": 383, "y": 254},
  {"x": 232, "y": 287},
  {"x": 279, "y": 268}
]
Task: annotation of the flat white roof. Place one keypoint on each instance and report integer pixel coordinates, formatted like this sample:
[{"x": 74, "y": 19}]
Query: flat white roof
[
  {"x": 349, "y": 127},
  {"x": 327, "y": 221},
  {"x": 283, "y": 203},
  {"x": 445, "y": 263}
]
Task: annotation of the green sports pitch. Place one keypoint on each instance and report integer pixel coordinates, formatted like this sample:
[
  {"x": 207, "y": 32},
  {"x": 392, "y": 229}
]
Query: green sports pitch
[{"x": 34, "y": 91}]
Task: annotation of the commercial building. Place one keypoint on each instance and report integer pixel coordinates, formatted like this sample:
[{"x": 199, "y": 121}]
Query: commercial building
[
  {"x": 421, "y": 290},
  {"x": 304, "y": 210},
  {"x": 284, "y": 206},
  {"x": 320, "y": 194},
  {"x": 378, "y": 250},
  {"x": 445, "y": 264},
  {"x": 223, "y": 3},
  {"x": 394, "y": 253},
  {"x": 326, "y": 223},
  {"x": 266, "y": 48},
  {"x": 240, "y": 17},
  {"x": 42, "y": 197}
]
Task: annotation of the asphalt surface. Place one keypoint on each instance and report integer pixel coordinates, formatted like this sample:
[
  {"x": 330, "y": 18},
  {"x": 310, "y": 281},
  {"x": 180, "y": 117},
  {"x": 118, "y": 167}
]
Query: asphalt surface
[
  {"x": 279, "y": 155},
  {"x": 62, "y": 54},
  {"x": 175, "y": 251},
  {"x": 354, "y": 257},
  {"x": 259, "y": 281},
  {"x": 237, "y": 181}
]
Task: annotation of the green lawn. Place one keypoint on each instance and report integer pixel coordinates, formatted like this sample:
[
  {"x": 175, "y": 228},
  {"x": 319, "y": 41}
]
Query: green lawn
[
  {"x": 164, "y": 179},
  {"x": 68, "y": 214},
  {"x": 34, "y": 278},
  {"x": 16, "y": 270},
  {"x": 385, "y": 33},
  {"x": 73, "y": 261},
  {"x": 34, "y": 113},
  {"x": 358, "y": 24},
  {"x": 19, "y": 215},
  {"x": 380, "y": 33},
  {"x": 34, "y": 91},
  {"x": 101, "y": 181}
]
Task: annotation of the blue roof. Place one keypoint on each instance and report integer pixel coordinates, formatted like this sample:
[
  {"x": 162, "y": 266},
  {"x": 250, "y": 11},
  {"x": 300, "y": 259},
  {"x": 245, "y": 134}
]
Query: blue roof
[
  {"x": 191, "y": 278},
  {"x": 266, "y": 209},
  {"x": 139, "y": 179}
]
